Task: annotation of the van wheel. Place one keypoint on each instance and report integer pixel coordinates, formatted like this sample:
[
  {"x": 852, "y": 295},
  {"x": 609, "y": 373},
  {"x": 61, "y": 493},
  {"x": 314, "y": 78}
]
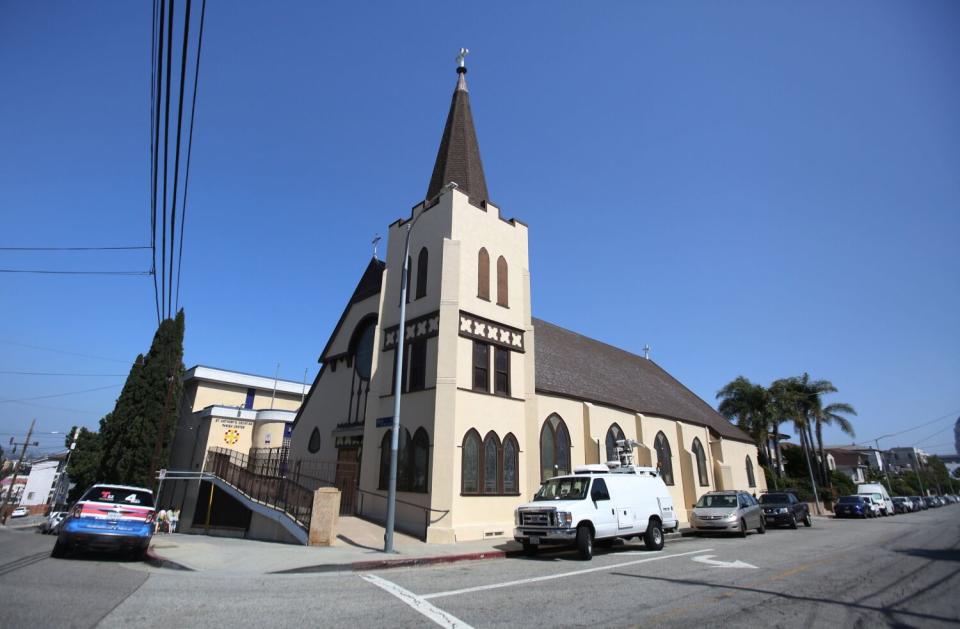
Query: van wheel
[
  {"x": 807, "y": 520},
  {"x": 743, "y": 528},
  {"x": 530, "y": 550},
  {"x": 585, "y": 542},
  {"x": 653, "y": 538}
]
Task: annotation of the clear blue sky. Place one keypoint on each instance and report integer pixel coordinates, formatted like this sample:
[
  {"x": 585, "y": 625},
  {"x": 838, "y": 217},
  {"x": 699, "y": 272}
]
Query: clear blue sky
[{"x": 752, "y": 188}]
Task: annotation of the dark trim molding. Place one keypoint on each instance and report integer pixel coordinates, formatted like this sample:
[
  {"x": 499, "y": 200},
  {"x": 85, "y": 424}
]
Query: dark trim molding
[
  {"x": 478, "y": 328},
  {"x": 423, "y": 327}
]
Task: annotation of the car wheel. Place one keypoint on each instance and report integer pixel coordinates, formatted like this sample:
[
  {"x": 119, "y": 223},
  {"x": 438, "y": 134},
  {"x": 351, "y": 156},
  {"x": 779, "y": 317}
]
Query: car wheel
[
  {"x": 585, "y": 542},
  {"x": 793, "y": 520},
  {"x": 763, "y": 526},
  {"x": 59, "y": 550},
  {"x": 807, "y": 520},
  {"x": 653, "y": 538},
  {"x": 530, "y": 550},
  {"x": 743, "y": 528}
]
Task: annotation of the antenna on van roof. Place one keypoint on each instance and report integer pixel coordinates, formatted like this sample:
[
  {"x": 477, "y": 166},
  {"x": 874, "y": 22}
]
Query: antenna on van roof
[{"x": 624, "y": 449}]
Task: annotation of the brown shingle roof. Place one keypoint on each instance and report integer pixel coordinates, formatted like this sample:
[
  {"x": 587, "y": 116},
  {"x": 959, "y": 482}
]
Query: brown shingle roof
[
  {"x": 458, "y": 158},
  {"x": 572, "y": 365}
]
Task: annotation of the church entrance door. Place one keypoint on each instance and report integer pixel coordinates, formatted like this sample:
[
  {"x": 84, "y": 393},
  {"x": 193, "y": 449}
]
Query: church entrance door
[{"x": 348, "y": 471}]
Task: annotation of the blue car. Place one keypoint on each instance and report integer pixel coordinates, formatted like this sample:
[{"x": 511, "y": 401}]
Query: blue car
[
  {"x": 109, "y": 517},
  {"x": 852, "y": 507}
]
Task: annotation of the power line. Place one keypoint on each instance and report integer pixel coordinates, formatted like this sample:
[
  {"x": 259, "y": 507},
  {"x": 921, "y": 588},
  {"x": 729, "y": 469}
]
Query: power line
[
  {"x": 154, "y": 142},
  {"x": 53, "y": 373},
  {"x": 949, "y": 415},
  {"x": 65, "y": 272},
  {"x": 176, "y": 159},
  {"x": 186, "y": 180},
  {"x": 933, "y": 435},
  {"x": 166, "y": 161},
  {"x": 53, "y": 395},
  {"x": 65, "y": 352},
  {"x": 74, "y": 248}
]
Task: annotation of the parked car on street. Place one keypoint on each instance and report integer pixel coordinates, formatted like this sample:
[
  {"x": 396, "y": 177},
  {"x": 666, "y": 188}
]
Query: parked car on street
[
  {"x": 109, "y": 517},
  {"x": 52, "y": 522},
  {"x": 902, "y": 504},
  {"x": 783, "y": 508},
  {"x": 852, "y": 507},
  {"x": 920, "y": 503},
  {"x": 19, "y": 512},
  {"x": 597, "y": 504},
  {"x": 874, "y": 505},
  {"x": 728, "y": 511},
  {"x": 880, "y": 496}
]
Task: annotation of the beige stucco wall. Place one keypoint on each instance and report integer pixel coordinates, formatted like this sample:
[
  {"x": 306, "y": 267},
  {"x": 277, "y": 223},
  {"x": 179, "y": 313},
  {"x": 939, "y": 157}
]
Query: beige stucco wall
[
  {"x": 216, "y": 393},
  {"x": 268, "y": 434}
]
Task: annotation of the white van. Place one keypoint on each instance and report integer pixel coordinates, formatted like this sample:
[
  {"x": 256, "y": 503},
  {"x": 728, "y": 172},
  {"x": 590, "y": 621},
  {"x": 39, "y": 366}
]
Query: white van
[
  {"x": 879, "y": 493},
  {"x": 597, "y": 503}
]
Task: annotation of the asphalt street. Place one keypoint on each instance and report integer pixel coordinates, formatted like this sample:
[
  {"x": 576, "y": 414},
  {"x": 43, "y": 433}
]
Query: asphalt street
[{"x": 900, "y": 571}]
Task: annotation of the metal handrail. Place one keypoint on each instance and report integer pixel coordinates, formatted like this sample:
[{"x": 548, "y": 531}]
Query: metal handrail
[{"x": 426, "y": 510}]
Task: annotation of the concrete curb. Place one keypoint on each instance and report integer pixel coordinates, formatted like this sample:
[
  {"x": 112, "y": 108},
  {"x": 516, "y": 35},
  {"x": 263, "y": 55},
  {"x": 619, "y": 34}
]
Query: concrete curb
[
  {"x": 413, "y": 562},
  {"x": 158, "y": 561}
]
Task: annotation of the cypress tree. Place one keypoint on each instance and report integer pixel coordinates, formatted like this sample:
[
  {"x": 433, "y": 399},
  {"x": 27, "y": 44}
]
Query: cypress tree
[{"x": 131, "y": 444}]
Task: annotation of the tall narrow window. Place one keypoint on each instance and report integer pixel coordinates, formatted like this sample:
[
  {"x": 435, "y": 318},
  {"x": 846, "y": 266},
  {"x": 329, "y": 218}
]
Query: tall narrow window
[
  {"x": 418, "y": 365},
  {"x": 751, "y": 481},
  {"x": 481, "y": 367},
  {"x": 483, "y": 275},
  {"x": 614, "y": 434},
  {"x": 701, "y": 457},
  {"x": 313, "y": 446},
  {"x": 501, "y": 366},
  {"x": 511, "y": 466},
  {"x": 491, "y": 464},
  {"x": 248, "y": 402},
  {"x": 554, "y": 448},
  {"x": 470, "y": 464},
  {"x": 422, "y": 273},
  {"x": 385, "y": 460},
  {"x": 406, "y": 458},
  {"x": 664, "y": 458},
  {"x": 502, "y": 299},
  {"x": 420, "y": 460}
]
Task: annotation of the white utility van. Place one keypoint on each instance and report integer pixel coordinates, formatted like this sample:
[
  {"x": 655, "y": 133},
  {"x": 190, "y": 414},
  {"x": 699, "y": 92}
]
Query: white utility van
[
  {"x": 879, "y": 493},
  {"x": 598, "y": 503}
]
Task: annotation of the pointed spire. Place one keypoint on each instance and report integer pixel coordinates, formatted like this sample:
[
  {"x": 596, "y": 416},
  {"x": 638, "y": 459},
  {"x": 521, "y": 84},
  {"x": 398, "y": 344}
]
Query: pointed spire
[{"x": 458, "y": 159}]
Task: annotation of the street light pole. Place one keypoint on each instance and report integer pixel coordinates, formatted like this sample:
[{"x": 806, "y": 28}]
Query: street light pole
[
  {"x": 886, "y": 473},
  {"x": 397, "y": 386}
]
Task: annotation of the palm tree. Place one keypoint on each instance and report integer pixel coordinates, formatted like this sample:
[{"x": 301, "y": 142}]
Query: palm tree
[
  {"x": 749, "y": 403},
  {"x": 830, "y": 415}
]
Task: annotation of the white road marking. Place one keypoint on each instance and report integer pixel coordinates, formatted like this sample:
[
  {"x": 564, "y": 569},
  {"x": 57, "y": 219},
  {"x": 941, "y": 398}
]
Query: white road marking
[
  {"x": 435, "y": 614},
  {"x": 716, "y": 563},
  {"x": 550, "y": 577}
]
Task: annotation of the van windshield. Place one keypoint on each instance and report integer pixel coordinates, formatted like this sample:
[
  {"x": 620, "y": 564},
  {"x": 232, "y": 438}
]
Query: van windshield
[{"x": 563, "y": 489}]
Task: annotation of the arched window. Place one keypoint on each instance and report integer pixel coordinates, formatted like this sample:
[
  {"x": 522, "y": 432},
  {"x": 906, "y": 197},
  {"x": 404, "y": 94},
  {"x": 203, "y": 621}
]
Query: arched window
[
  {"x": 470, "y": 463},
  {"x": 420, "y": 460},
  {"x": 701, "y": 457},
  {"x": 751, "y": 481},
  {"x": 511, "y": 465},
  {"x": 361, "y": 357},
  {"x": 490, "y": 467},
  {"x": 502, "y": 298},
  {"x": 313, "y": 446},
  {"x": 664, "y": 458},
  {"x": 483, "y": 274},
  {"x": 554, "y": 448},
  {"x": 422, "y": 273},
  {"x": 614, "y": 434},
  {"x": 405, "y": 460}
]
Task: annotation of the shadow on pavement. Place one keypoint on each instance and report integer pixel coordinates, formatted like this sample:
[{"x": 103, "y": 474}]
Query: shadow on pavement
[
  {"x": 888, "y": 611},
  {"x": 936, "y": 554}
]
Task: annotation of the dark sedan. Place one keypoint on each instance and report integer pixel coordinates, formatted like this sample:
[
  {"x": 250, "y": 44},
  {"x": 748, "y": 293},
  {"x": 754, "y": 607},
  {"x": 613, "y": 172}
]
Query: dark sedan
[{"x": 852, "y": 507}]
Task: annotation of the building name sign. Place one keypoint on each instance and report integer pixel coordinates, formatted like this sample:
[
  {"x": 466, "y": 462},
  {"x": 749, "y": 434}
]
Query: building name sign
[{"x": 480, "y": 329}]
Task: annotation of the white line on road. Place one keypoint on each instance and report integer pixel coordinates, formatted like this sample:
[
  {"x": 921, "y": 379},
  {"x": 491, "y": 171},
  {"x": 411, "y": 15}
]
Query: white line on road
[
  {"x": 494, "y": 586},
  {"x": 716, "y": 563},
  {"x": 435, "y": 614}
]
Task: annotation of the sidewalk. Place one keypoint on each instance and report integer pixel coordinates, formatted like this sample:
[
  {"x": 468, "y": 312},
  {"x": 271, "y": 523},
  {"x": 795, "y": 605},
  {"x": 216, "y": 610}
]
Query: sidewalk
[{"x": 359, "y": 547}]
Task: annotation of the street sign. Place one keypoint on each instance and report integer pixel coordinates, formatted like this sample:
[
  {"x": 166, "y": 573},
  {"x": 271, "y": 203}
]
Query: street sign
[
  {"x": 163, "y": 474},
  {"x": 384, "y": 422}
]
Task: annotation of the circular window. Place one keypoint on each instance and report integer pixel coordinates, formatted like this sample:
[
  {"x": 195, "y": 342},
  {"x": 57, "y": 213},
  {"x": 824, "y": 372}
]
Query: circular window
[{"x": 314, "y": 444}]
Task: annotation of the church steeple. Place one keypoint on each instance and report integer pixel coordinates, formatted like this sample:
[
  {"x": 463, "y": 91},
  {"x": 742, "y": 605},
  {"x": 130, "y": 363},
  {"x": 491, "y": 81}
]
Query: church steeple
[{"x": 458, "y": 159}]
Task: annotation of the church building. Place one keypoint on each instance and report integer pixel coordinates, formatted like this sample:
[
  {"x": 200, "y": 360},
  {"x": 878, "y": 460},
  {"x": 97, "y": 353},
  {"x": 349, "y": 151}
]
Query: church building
[{"x": 494, "y": 400}]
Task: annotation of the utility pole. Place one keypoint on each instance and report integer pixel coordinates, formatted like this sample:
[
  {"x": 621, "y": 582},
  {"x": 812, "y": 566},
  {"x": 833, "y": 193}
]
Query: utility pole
[
  {"x": 63, "y": 474},
  {"x": 884, "y": 464},
  {"x": 16, "y": 468}
]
